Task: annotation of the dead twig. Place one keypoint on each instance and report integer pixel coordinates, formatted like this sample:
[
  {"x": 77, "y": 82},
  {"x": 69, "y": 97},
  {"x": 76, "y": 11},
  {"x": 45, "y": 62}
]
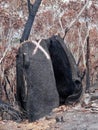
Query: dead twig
[
  {"x": 15, "y": 114},
  {"x": 76, "y": 18},
  {"x": 8, "y": 47},
  {"x": 83, "y": 45}
]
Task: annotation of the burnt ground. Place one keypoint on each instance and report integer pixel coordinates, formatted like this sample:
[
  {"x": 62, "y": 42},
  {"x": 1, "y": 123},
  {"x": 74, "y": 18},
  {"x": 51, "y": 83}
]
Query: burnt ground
[
  {"x": 62, "y": 118},
  {"x": 75, "y": 120},
  {"x": 83, "y": 116}
]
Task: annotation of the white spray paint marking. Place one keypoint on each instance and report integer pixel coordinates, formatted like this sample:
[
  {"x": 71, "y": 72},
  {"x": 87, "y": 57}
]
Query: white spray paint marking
[{"x": 38, "y": 46}]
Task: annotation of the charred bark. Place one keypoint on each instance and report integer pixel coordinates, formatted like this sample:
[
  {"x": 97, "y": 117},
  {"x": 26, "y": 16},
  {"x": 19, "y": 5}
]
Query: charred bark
[
  {"x": 32, "y": 8},
  {"x": 48, "y": 77},
  {"x": 36, "y": 88},
  {"x": 70, "y": 71},
  {"x": 87, "y": 66}
]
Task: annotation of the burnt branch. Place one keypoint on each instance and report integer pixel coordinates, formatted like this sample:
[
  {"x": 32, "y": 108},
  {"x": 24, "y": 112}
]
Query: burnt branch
[{"x": 32, "y": 8}]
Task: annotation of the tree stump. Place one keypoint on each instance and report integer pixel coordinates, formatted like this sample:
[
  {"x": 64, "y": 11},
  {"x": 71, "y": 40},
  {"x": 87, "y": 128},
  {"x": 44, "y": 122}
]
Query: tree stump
[{"x": 47, "y": 76}]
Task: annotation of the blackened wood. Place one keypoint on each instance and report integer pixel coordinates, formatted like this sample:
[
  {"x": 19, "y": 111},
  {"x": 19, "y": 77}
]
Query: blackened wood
[
  {"x": 47, "y": 77},
  {"x": 66, "y": 71},
  {"x": 33, "y": 8},
  {"x": 38, "y": 79},
  {"x": 87, "y": 66}
]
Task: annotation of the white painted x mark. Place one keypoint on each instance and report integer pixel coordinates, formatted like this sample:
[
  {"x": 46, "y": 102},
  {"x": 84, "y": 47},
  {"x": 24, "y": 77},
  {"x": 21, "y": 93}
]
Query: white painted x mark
[{"x": 38, "y": 46}]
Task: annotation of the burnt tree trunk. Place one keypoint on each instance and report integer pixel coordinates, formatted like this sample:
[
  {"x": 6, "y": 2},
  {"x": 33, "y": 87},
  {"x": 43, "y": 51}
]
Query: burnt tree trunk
[
  {"x": 32, "y": 8},
  {"x": 47, "y": 74},
  {"x": 48, "y": 77},
  {"x": 87, "y": 66},
  {"x": 87, "y": 53}
]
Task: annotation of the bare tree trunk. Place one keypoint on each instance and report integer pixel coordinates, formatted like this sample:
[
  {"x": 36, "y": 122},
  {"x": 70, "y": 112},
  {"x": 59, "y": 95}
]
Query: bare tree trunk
[
  {"x": 33, "y": 8},
  {"x": 87, "y": 53},
  {"x": 87, "y": 66}
]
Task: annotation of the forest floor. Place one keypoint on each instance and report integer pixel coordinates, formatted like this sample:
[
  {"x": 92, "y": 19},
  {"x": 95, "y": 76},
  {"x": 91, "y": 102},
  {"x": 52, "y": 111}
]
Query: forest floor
[
  {"x": 62, "y": 118},
  {"x": 81, "y": 116}
]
